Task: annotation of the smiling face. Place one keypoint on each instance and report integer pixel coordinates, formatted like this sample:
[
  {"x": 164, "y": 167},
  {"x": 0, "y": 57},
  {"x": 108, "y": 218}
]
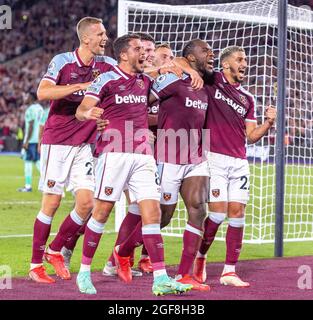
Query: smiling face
[
  {"x": 234, "y": 67},
  {"x": 95, "y": 38},
  {"x": 149, "y": 47},
  {"x": 163, "y": 56},
  {"x": 203, "y": 57},
  {"x": 134, "y": 56}
]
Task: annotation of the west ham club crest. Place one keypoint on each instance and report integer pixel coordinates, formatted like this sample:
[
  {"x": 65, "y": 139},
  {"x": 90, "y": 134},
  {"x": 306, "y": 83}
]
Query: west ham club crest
[{"x": 95, "y": 73}]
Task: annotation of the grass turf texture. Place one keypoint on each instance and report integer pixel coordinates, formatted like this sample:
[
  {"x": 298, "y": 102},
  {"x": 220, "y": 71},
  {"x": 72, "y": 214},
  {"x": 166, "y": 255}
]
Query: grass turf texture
[{"x": 18, "y": 212}]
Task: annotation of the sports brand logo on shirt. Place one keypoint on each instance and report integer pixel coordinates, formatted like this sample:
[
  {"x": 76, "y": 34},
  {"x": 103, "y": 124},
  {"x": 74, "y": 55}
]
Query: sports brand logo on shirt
[
  {"x": 74, "y": 75},
  {"x": 216, "y": 193},
  {"x": 51, "y": 183},
  {"x": 167, "y": 196},
  {"x": 108, "y": 191}
]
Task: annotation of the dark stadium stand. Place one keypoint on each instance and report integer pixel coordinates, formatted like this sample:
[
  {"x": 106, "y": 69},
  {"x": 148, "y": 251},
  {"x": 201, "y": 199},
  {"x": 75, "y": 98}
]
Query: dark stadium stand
[{"x": 43, "y": 28}]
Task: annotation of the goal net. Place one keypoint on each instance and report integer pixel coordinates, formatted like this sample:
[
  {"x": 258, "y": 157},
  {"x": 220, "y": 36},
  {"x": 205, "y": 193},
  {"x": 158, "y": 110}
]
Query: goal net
[{"x": 252, "y": 25}]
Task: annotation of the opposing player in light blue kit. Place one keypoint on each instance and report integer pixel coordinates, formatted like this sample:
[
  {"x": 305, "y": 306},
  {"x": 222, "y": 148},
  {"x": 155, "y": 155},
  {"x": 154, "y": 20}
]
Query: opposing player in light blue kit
[{"x": 33, "y": 115}]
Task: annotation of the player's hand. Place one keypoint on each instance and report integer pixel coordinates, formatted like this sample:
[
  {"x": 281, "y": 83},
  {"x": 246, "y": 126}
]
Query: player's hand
[
  {"x": 101, "y": 124},
  {"x": 171, "y": 68},
  {"x": 25, "y": 145},
  {"x": 196, "y": 80},
  {"x": 271, "y": 114},
  {"x": 38, "y": 147},
  {"x": 93, "y": 114},
  {"x": 151, "y": 137},
  {"x": 84, "y": 86}
]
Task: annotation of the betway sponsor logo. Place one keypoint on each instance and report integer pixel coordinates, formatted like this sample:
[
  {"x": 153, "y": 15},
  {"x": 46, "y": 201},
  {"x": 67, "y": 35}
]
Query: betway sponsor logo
[
  {"x": 198, "y": 104},
  {"x": 153, "y": 109},
  {"x": 238, "y": 108},
  {"x": 79, "y": 93},
  {"x": 130, "y": 99}
]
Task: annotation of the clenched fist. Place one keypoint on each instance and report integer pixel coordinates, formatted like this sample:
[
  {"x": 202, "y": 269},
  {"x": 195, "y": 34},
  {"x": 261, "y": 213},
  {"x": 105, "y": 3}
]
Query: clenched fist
[{"x": 271, "y": 114}]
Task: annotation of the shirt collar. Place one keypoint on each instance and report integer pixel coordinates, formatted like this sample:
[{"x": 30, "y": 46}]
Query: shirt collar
[
  {"x": 80, "y": 63},
  {"x": 236, "y": 85}
]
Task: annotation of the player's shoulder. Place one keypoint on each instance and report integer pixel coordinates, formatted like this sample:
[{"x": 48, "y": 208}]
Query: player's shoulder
[
  {"x": 241, "y": 89},
  {"x": 106, "y": 59},
  {"x": 60, "y": 60},
  {"x": 167, "y": 79},
  {"x": 65, "y": 57},
  {"x": 32, "y": 110},
  {"x": 106, "y": 77},
  {"x": 34, "y": 107}
]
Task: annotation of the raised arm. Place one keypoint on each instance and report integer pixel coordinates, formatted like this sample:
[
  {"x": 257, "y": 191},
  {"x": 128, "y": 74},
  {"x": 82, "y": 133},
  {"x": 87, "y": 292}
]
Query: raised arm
[
  {"x": 196, "y": 80},
  {"x": 255, "y": 133}
]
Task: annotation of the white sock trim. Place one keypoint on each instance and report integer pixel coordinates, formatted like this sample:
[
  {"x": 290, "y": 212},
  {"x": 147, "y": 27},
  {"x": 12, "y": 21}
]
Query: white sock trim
[
  {"x": 95, "y": 226},
  {"x": 236, "y": 222},
  {"x": 35, "y": 265},
  {"x": 159, "y": 273},
  {"x": 200, "y": 255},
  {"x": 85, "y": 267},
  {"x": 133, "y": 208},
  {"x": 44, "y": 218},
  {"x": 229, "y": 268},
  {"x": 194, "y": 230},
  {"x": 217, "y": 217},
  {"x": 76, "y": 218},
  {"x": 151, "y": 229}
]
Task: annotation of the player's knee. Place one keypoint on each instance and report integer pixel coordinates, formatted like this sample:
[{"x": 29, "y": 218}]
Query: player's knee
[
  {"x": 197, "y": 213},
  {"x": 237, "y": 211},
  {"x": 101, "y": 216},
  {"x": 85, "y": 207},
  {"x": 50, "y": 205}
]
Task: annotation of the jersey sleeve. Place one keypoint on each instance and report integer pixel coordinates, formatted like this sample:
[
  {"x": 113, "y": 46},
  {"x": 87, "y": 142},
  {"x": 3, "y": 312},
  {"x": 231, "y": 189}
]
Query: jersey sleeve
[
  {"x": 54, "y": 68},
  {"x": 97, "y": 88},
  {"x": 251, "y": 114},
  {"x": 110, "y": 61},
  {"x": 164, "y": 86}
]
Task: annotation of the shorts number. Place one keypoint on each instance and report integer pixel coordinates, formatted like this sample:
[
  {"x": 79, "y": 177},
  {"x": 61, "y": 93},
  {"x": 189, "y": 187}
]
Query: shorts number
[
  {"x": 88, "y": 165},
  {"x": 157, "y": 179},
  {"x": 244, "y": 185}
]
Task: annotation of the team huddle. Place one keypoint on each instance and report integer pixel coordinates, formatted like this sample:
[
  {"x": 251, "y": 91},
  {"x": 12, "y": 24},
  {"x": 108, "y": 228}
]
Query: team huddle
[{"x": 160, "y": 126}]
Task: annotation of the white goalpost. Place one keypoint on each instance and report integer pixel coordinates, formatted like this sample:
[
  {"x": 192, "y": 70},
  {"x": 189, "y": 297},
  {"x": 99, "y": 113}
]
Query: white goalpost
[{"x": 252, "y": 25}]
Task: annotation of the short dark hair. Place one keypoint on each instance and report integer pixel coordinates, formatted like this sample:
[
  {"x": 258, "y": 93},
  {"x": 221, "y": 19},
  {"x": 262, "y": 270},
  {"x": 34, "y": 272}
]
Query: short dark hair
[
  {"x": 229, "y": 51},
  {"x": 122, "y": 43},
  {"x": 190, "y": 46},
  {"x": 145, "y": 37}
]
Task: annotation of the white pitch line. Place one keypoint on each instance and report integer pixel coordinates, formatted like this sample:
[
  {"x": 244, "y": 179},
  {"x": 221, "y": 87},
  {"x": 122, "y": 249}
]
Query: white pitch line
[
  {"x": 20, "y": 236},
  {"x": 29, "y": 202},
  {"x": 9, "y": 236}
]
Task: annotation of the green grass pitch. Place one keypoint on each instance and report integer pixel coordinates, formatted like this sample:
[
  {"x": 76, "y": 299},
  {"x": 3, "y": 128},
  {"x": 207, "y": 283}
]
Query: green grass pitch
[{"x": 18, "y": 212}]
